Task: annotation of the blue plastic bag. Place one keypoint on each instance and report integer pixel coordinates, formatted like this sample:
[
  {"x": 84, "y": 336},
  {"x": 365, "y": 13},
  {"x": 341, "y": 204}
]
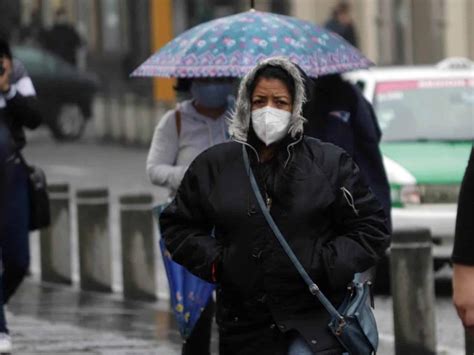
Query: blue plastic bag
[{"x": 189, "y": 294}]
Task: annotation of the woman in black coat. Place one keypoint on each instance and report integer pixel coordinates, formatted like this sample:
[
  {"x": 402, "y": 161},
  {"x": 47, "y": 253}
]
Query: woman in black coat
[
  {"x": 332, "y": 221},
  {"x": 18, "y": 109}
]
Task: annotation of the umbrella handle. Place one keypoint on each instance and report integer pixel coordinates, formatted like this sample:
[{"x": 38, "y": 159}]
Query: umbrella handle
[{"x": 252, "y": 4}]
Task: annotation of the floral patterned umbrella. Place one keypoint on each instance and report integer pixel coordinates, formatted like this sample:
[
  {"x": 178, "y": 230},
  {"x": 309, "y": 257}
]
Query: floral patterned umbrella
[{"x": 230, "y": 46}]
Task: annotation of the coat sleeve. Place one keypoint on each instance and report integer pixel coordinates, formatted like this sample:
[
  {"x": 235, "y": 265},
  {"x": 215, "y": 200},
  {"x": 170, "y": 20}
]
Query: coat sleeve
[
  {"x": 464, "y": 236},
  {"x": 22, "y": 105},
  {"x": 161, "y": 160},
  {"x": 186, "y": 224},
  {"x": 362, "y": 233}
]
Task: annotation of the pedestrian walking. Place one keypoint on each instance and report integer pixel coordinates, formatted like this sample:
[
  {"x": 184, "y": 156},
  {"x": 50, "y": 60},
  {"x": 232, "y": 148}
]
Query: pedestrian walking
[
  {"x": 463, "y": 257},
  {"x": 334, "y": 224},
  {"x": 63, "y": 39},
  {"x": 18, "y": 109},
  {"x": 5, "y": 152},
  {"x": 182, "y": 134},
  {"x": 340, "y": 114},
  {"x": 341, "y": 22}
]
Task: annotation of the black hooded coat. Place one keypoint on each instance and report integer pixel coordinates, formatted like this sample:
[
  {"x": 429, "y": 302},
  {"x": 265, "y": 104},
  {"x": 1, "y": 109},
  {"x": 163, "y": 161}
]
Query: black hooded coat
[{"x": 330, "y": 218}]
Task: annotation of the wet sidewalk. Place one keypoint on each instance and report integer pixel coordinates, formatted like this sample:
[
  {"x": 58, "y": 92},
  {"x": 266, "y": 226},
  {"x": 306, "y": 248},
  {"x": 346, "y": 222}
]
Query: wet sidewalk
[{"x": 50, "y": 319}]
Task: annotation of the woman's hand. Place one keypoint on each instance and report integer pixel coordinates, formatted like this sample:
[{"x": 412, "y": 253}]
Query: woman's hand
[{"x": 463, "y": 294}]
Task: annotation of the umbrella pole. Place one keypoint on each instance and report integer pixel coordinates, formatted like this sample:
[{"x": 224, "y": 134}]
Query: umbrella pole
[{"x": 252, "y": 4}]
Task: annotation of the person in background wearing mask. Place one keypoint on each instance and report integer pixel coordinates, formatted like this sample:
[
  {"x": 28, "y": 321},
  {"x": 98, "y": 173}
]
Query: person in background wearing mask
[
  {"x": 18, "y": 109},
  {"x": 215, "y": 228},
  {"x": 181, "y": 135}
]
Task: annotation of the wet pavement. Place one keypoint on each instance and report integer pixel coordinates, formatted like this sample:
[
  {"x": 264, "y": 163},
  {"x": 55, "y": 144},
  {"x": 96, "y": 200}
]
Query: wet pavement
[
  {"x": 50, "y": 319},
  {"x": 55, "y": 319}
]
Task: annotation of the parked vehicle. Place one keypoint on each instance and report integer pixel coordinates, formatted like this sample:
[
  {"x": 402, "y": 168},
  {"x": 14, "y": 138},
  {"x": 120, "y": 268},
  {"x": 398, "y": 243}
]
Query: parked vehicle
[
  {"x": 426, "y": 114},
  {"x": 65, "y": 93}
]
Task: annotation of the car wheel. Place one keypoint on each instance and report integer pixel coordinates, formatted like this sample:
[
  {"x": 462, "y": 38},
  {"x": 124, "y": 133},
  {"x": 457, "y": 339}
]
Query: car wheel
[{"x": 69, "y": 123}]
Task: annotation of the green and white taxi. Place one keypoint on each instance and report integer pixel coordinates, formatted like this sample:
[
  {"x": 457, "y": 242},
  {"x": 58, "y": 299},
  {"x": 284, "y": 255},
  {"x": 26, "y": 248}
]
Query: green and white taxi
[{"x": 426, "y": 114}]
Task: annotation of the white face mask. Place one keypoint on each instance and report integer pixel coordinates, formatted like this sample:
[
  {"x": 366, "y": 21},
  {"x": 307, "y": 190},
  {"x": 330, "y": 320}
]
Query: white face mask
[{"x": 270, "y": 124}]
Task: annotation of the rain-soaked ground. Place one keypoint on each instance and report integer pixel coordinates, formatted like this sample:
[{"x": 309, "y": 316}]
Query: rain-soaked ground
[
  {"x": 52, "y": 319},
  {"x": 49, "y": 319}
]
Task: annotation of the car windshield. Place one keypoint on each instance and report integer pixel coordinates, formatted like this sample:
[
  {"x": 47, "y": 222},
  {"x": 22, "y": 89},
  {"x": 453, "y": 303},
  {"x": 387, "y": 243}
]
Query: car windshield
[{"x": 438, "y": 109}]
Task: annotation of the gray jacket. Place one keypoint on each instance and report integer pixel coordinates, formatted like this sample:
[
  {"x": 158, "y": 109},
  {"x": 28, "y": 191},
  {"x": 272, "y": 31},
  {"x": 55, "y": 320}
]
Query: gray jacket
[{"x": 170, "y": 154}]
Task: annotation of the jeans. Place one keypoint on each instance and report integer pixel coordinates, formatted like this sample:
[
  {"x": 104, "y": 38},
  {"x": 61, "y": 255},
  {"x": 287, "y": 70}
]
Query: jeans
[{"x": 14, "y": 234}]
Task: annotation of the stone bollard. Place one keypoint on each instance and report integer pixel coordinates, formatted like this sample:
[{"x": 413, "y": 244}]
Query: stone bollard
[
  {"x": 138, "y": 247},
  {"x": 469, "y": 343},
  {"x": 55, "y": 241},
  {"x": 94, "y": 240},
  {"x": 412, "y": 284}
]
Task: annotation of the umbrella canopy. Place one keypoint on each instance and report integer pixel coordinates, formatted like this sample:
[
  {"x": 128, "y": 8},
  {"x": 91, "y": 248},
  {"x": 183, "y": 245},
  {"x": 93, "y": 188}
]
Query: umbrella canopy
[
  {"x": 230, "y": 46},
  {"x": 189, "y": 294}
]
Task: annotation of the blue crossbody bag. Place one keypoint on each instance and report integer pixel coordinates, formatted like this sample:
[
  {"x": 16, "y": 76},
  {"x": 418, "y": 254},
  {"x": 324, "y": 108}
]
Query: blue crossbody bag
[{"x": 353, "y": 323}]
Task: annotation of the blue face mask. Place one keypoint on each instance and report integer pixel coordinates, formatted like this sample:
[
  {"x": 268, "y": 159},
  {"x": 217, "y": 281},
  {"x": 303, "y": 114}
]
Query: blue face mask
[{"x": 211, "y": 95}]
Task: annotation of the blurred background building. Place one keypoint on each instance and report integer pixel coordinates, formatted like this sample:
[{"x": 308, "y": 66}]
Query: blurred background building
[{"x": 119, "y": 34}]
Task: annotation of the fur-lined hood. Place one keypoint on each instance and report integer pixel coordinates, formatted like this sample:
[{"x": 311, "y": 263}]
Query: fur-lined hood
[{"x": 240, "y": 120}]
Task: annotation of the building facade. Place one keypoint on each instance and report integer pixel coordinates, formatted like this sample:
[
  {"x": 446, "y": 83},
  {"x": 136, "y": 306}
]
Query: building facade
[
  {"x": 120, "y": 34},
  {"x": 404, "y": 31}
]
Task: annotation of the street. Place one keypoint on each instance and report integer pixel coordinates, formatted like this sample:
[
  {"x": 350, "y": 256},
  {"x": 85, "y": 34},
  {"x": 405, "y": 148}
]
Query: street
[
  {"x": 390, "y": 82},
  {"x": 89, "y": 163}
]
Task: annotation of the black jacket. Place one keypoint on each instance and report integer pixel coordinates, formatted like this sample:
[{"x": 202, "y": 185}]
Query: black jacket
[
  {"x": 330, "y": 218},
  {"x": 464, "y": 237},
  {"x": 19, "y": 108},
  {"x": 339, "y": 114}
]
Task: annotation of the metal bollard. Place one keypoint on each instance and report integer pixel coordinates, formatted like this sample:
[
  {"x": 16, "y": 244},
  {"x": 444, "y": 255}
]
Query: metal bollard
[
  {"x": 94, "y": 240},
  {"x": 412, "y": 283},
  {"x": 55, "y": 241},
  {"x": 469, "y": 343},
  {"x": 138, "y": 247}
]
